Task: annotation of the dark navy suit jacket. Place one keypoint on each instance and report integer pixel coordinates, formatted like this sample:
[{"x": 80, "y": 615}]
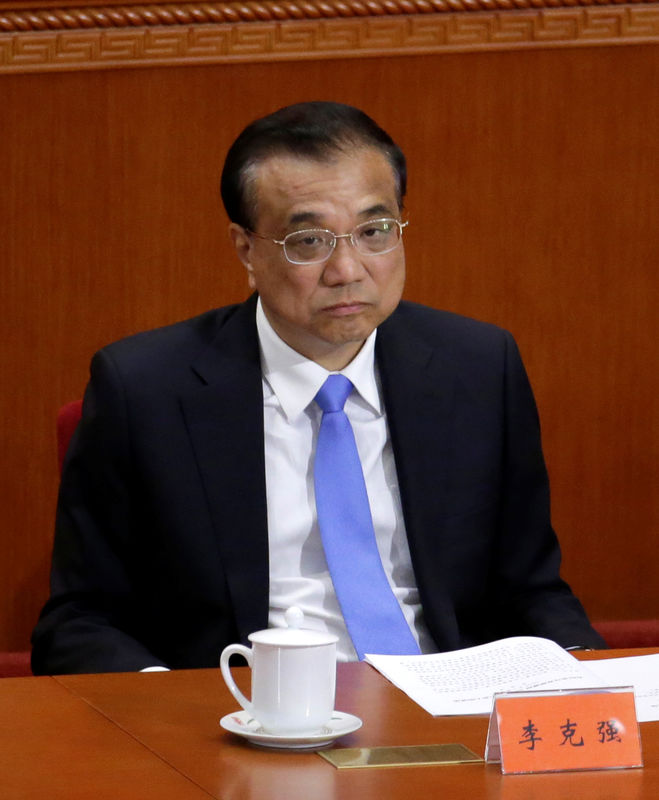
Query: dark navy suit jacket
[{"x": 161, "y": 545}]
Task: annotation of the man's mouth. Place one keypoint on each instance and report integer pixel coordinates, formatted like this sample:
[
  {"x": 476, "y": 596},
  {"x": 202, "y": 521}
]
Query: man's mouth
[{"x": 345, "y": 309}]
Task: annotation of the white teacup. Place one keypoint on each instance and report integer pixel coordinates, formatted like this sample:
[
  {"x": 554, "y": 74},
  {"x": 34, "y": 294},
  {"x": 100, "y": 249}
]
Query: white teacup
[{"x": 293, "y": 677}]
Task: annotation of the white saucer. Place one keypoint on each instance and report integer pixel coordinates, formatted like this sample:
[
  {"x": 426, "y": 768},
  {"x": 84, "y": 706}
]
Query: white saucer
[{"x": 243, "y": 724}]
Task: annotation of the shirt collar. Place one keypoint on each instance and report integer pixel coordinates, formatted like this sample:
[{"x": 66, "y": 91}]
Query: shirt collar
[{"x": 296, "y": 379}]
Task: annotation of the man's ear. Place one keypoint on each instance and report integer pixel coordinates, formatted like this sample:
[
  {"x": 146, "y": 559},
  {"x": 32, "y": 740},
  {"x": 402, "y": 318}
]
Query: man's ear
[{"x": 243, "y": 246}]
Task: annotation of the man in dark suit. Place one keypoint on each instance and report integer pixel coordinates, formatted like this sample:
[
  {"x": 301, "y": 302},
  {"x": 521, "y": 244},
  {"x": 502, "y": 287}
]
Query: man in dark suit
[{"x": 186, "y": 517}]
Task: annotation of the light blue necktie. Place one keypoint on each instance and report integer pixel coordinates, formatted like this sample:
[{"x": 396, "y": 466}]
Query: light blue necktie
[{"x": 374, "y": 619}]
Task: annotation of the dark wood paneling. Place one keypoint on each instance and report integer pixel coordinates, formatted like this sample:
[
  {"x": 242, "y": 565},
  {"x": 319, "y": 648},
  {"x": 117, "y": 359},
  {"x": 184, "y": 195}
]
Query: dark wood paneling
[{"x": 532, "y": 201}]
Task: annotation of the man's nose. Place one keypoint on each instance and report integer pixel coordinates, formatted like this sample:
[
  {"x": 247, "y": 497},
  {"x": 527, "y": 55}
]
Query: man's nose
[{"x": 344, "y": 265}]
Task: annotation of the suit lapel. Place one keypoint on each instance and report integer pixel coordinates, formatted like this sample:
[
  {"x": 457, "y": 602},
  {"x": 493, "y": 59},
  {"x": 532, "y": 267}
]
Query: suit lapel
[
  {"x": 224, "y": 417},
  {"x": 418, "y": 385}
]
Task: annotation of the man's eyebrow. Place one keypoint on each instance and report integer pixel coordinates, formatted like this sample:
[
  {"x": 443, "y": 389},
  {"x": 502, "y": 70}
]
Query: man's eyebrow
[
  {"x": 379, "y": 209},
  {"x": 303, "y": 216}
]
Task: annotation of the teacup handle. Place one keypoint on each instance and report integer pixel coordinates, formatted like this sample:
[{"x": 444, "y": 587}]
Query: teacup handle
[{"x": 228, "y": 651}]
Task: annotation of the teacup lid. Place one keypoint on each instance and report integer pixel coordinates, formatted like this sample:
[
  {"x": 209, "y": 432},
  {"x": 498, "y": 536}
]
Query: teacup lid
[{"x": 293, "y": 635}]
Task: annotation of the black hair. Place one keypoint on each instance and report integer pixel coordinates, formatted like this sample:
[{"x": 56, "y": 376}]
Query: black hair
[{"x": 316, "y": 130}]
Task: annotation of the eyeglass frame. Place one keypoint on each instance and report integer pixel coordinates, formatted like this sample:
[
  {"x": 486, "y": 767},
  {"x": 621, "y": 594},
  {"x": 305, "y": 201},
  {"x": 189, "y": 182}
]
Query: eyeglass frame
[{"x": 282, "y": 242}]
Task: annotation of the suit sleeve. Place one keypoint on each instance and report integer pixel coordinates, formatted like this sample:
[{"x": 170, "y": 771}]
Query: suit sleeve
[
  {"x": 532, "y": 597},
  {"x": 92, "y": 621}
]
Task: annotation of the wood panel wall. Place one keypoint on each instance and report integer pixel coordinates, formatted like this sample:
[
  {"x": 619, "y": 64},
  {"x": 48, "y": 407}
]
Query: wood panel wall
[{"x": 533, "y": 204}]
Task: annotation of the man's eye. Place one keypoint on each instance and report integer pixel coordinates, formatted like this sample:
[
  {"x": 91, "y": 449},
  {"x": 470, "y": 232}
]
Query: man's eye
[{"x": 381, "y": 229}]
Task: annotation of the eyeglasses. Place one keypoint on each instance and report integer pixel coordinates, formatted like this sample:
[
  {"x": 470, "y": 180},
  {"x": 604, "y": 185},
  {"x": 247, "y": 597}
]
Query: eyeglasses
[{"x": 315, "y": 245}]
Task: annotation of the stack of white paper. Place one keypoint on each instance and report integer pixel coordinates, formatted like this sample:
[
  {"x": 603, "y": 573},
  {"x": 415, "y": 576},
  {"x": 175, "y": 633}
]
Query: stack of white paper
[{"x": 464, "y": 681}]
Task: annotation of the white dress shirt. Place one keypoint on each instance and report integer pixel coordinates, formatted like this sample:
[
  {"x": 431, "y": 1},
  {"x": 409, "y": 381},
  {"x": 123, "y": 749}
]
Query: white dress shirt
[{"x": 298, "y": 570}]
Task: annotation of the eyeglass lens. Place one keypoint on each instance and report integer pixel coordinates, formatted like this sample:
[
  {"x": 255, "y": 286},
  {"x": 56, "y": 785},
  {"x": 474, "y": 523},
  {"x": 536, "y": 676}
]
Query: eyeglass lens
[{"x": 374, "y": 237}]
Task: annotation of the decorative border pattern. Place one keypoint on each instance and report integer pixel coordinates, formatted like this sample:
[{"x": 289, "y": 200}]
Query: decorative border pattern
[
  {"x": 192, "y": 33},
  {"x": 189, "y": 13}
]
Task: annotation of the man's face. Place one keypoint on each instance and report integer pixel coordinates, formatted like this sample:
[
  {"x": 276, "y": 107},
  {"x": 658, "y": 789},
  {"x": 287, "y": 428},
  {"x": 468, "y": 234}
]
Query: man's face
[{"x": 324, "y": 311}]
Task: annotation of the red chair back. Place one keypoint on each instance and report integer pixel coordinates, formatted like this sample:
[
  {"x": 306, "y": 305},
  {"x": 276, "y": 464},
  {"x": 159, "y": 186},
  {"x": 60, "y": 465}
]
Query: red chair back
[
  {"x": 629, "y": 632},
  {"x": 68, "y": 418},
  {"x": 15, "y": 665}
]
